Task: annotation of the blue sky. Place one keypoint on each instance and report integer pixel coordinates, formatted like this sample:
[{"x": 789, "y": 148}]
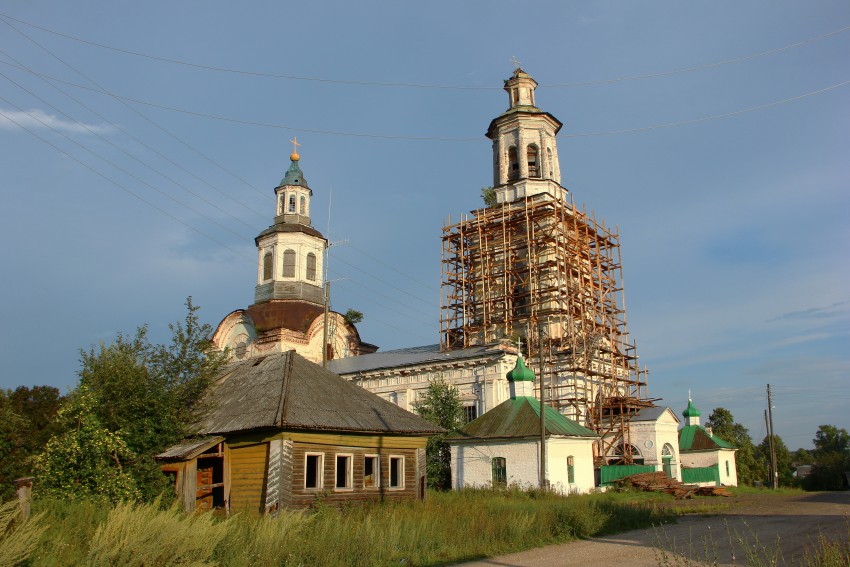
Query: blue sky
[{"x": 734, "y": 230}]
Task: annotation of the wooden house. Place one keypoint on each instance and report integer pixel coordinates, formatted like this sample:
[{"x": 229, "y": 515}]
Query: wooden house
[{"x": 281, "y": 431}]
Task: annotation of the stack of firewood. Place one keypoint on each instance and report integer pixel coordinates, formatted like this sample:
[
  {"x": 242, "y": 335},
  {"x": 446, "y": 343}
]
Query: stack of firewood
[{"x": 660, "y": 482}]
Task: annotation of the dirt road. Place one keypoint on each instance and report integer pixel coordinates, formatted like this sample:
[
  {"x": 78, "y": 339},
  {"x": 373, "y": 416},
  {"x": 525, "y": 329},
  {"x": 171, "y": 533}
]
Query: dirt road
[{"x": 751, "y": 524}]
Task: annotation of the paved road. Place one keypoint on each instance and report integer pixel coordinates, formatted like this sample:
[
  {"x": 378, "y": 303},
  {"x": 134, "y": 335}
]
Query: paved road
[{"x": 751, "y": 525}]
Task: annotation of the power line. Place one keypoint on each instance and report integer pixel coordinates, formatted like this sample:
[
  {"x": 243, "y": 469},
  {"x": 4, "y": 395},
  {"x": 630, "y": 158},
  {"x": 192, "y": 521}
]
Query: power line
[
  {"x": 144, "y": 117},
  {"x": 134, "y": 138},
  {"x": 423, "y": 85},
  {"x": 429, "y": 138},
  {"x": 117, "y": 184},
  {"x": 131, "y": 156}
]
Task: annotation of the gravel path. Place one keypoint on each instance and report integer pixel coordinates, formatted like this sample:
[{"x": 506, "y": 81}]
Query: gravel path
[{"x": 755, "y": 519}]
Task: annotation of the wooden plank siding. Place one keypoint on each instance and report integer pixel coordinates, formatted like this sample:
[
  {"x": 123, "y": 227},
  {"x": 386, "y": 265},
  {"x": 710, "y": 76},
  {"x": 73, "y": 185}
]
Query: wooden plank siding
[
  {"x": 301, "y": 497},
  {"x": 247, "y": 477}
]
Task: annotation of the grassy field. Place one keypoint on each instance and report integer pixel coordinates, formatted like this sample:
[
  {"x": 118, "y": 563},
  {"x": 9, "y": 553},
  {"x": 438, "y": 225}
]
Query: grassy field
[{"x": 446, "y": 528}]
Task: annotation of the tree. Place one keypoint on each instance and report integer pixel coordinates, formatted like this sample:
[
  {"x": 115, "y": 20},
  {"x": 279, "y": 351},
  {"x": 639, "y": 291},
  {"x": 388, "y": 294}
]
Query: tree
[
  {"x": 830, "y": 439},
  {"x": 27, "y": 420},
  {"x": 724, "y": 426},
  {"x": 832, "y": 459},
  {"x": 802, "y": 457},
  {"x": 144, "y": 396},
  {"x": 440, "y": 405},
  {"x": 87, "y": 460},
  {"x": 353, "y": 316},
  {"x": 783, "y": 461},
  {"x": 488, "y": 195}
]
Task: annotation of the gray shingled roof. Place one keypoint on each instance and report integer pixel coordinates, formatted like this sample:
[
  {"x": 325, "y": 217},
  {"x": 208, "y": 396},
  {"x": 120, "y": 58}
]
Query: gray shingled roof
[
  {"x": 285, "y": 390},
  {"x": 409, "y": 357},
  {"x": 189, "y": 448},
  {"x": 651, "y": 414}
]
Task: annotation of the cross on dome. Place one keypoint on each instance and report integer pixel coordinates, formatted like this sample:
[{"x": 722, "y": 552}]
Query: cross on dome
[
  {"x": 515, "y": 61},
  {"x": 294, "y": 156}
]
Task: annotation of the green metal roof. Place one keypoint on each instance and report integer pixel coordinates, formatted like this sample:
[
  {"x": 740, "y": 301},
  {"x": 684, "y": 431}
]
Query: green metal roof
[
  {"x": 696, "y": 438},
  {"x": 521, "y": 373},
  {"x": 519, "y": 417},
  {"x": 294, "y": 176},
  {"x": 690, "y": 411}
]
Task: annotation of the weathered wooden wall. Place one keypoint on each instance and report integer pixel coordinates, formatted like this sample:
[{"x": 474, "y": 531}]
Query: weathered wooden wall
[{"x": 247, "y": 477}]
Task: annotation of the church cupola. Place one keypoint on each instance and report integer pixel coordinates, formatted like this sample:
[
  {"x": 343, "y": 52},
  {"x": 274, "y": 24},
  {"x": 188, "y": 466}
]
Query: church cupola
[
  {"x": 525, "y": 147},
  {"x": 291, "y": 251},
  {"x": 521, "y": 380},
  {"x": 293, "y": 194},
  {"x": 691, "y": 414}
]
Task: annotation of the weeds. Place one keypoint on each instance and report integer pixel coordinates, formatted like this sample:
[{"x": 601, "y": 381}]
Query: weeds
[{"x": 18, "y": 537}]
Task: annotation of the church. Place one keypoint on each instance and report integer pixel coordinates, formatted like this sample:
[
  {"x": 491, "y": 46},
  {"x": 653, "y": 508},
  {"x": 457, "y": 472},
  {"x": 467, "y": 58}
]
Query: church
[{"x": 530, "y": 269}]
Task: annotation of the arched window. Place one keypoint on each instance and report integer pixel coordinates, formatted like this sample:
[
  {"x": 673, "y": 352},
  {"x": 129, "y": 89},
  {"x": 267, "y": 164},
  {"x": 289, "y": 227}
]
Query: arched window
[
  {"x": 281, "y": 207},
  {"x": 289, "y": 264},
  {"x": 292, "y": 203},
  {"x": 311, "y": 266},
  {"x": 513, "y": 164},
  {"x": 531, "y": 154},
  {"x": 303, "y": 209},
  {"x": 267, "y": 266}
]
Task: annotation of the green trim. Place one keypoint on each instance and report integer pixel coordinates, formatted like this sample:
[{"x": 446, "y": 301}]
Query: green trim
[
  {"x": 701, "y": 475},
  {"x": 610, "y": 473}
]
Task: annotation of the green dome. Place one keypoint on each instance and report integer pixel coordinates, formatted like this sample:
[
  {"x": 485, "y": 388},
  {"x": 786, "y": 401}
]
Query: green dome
[
  {"x": 690, "y": 411},
  {"x": 520, "y": 373},
  {"x": 293, "y": 175}
]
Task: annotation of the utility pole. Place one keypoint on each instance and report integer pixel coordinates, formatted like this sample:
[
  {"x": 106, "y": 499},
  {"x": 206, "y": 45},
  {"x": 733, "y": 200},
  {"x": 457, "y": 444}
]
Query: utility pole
[
  {"x": 770, "y": 447},
  {"x": 542, "y": 407},
  {"x": 775, "y": 478},
  {"x": 325, "y": 330}
]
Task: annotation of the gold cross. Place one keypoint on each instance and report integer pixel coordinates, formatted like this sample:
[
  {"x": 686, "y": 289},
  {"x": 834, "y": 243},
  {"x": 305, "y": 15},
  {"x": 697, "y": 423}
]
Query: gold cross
[{"x": 295, "y": 144}]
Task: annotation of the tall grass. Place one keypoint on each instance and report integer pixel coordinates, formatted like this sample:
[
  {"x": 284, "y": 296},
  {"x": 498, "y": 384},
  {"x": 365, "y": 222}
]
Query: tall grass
[
  {"x": 18, "y": 538},
  {"x": 446, "y": 528}
]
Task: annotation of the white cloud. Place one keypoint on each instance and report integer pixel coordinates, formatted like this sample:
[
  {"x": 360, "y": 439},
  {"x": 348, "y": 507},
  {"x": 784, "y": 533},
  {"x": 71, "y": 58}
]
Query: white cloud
[{"x": 39, "y": 120}]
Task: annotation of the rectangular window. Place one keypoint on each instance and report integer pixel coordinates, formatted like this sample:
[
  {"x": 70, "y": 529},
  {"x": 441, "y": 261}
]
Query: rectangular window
[
  {"x": 727, "y": 468},
  {"x": 371, "y": 472},
  {"x": 292, "y": 203},
  {"x": 500, "y": 472},
  {"x": 571, "y": 469},
  {"x": 396, "y": 472},
  {"x": 470, "y": 413},
  {"x": 344, "y": 471},
  {"x": 313, "y": 470}
]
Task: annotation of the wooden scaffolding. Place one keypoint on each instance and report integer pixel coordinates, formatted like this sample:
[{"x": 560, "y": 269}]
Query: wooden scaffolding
[{"x": 541, "y": 271}]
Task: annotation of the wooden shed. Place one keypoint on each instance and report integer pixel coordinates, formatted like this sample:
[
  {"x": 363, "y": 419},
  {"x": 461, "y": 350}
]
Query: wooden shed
[{"x": 281, "y": 431}]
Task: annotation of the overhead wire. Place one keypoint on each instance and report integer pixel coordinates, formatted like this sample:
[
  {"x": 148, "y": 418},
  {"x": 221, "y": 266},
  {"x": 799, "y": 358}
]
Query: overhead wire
[
  {"x": 116, "y": 166},
  {"x": 114, "y": 182},
  {"x": 131, "y": 156},
  {"x": 432, "y": 138},
  {"x": 141, "y": 115},
  {"x": 214, "y": 68}
]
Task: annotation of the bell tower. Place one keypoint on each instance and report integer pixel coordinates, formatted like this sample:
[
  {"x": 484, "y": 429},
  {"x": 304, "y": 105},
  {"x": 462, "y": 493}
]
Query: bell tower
[
  {"x": 525, "y": 148},
  {"x": 291, "y": 251}
]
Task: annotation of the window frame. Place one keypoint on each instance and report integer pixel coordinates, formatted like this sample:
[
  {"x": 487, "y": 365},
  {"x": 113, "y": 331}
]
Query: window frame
[
  {"x": 349, "y": 472},
  {"x": 571, "y": 469},
  {"x": 291, "y": 204},
  {"x": 268, "y": 266},
  {"x": 310, "y": 273},
  {"x": 400, "y": 480},
  {"x": 499, "y": 472},
  {"x": 320, "y": 470},
  {"x": 376, "y": 472},
  {"x": 291, "y": 273}
]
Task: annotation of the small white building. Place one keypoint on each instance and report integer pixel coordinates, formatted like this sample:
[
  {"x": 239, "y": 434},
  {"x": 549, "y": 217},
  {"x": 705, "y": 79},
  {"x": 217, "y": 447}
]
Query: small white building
[
  {"x": 706, "y": 459},
  {"x": 655, "y": 441},
  {"x": 502, "y": 447}
]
